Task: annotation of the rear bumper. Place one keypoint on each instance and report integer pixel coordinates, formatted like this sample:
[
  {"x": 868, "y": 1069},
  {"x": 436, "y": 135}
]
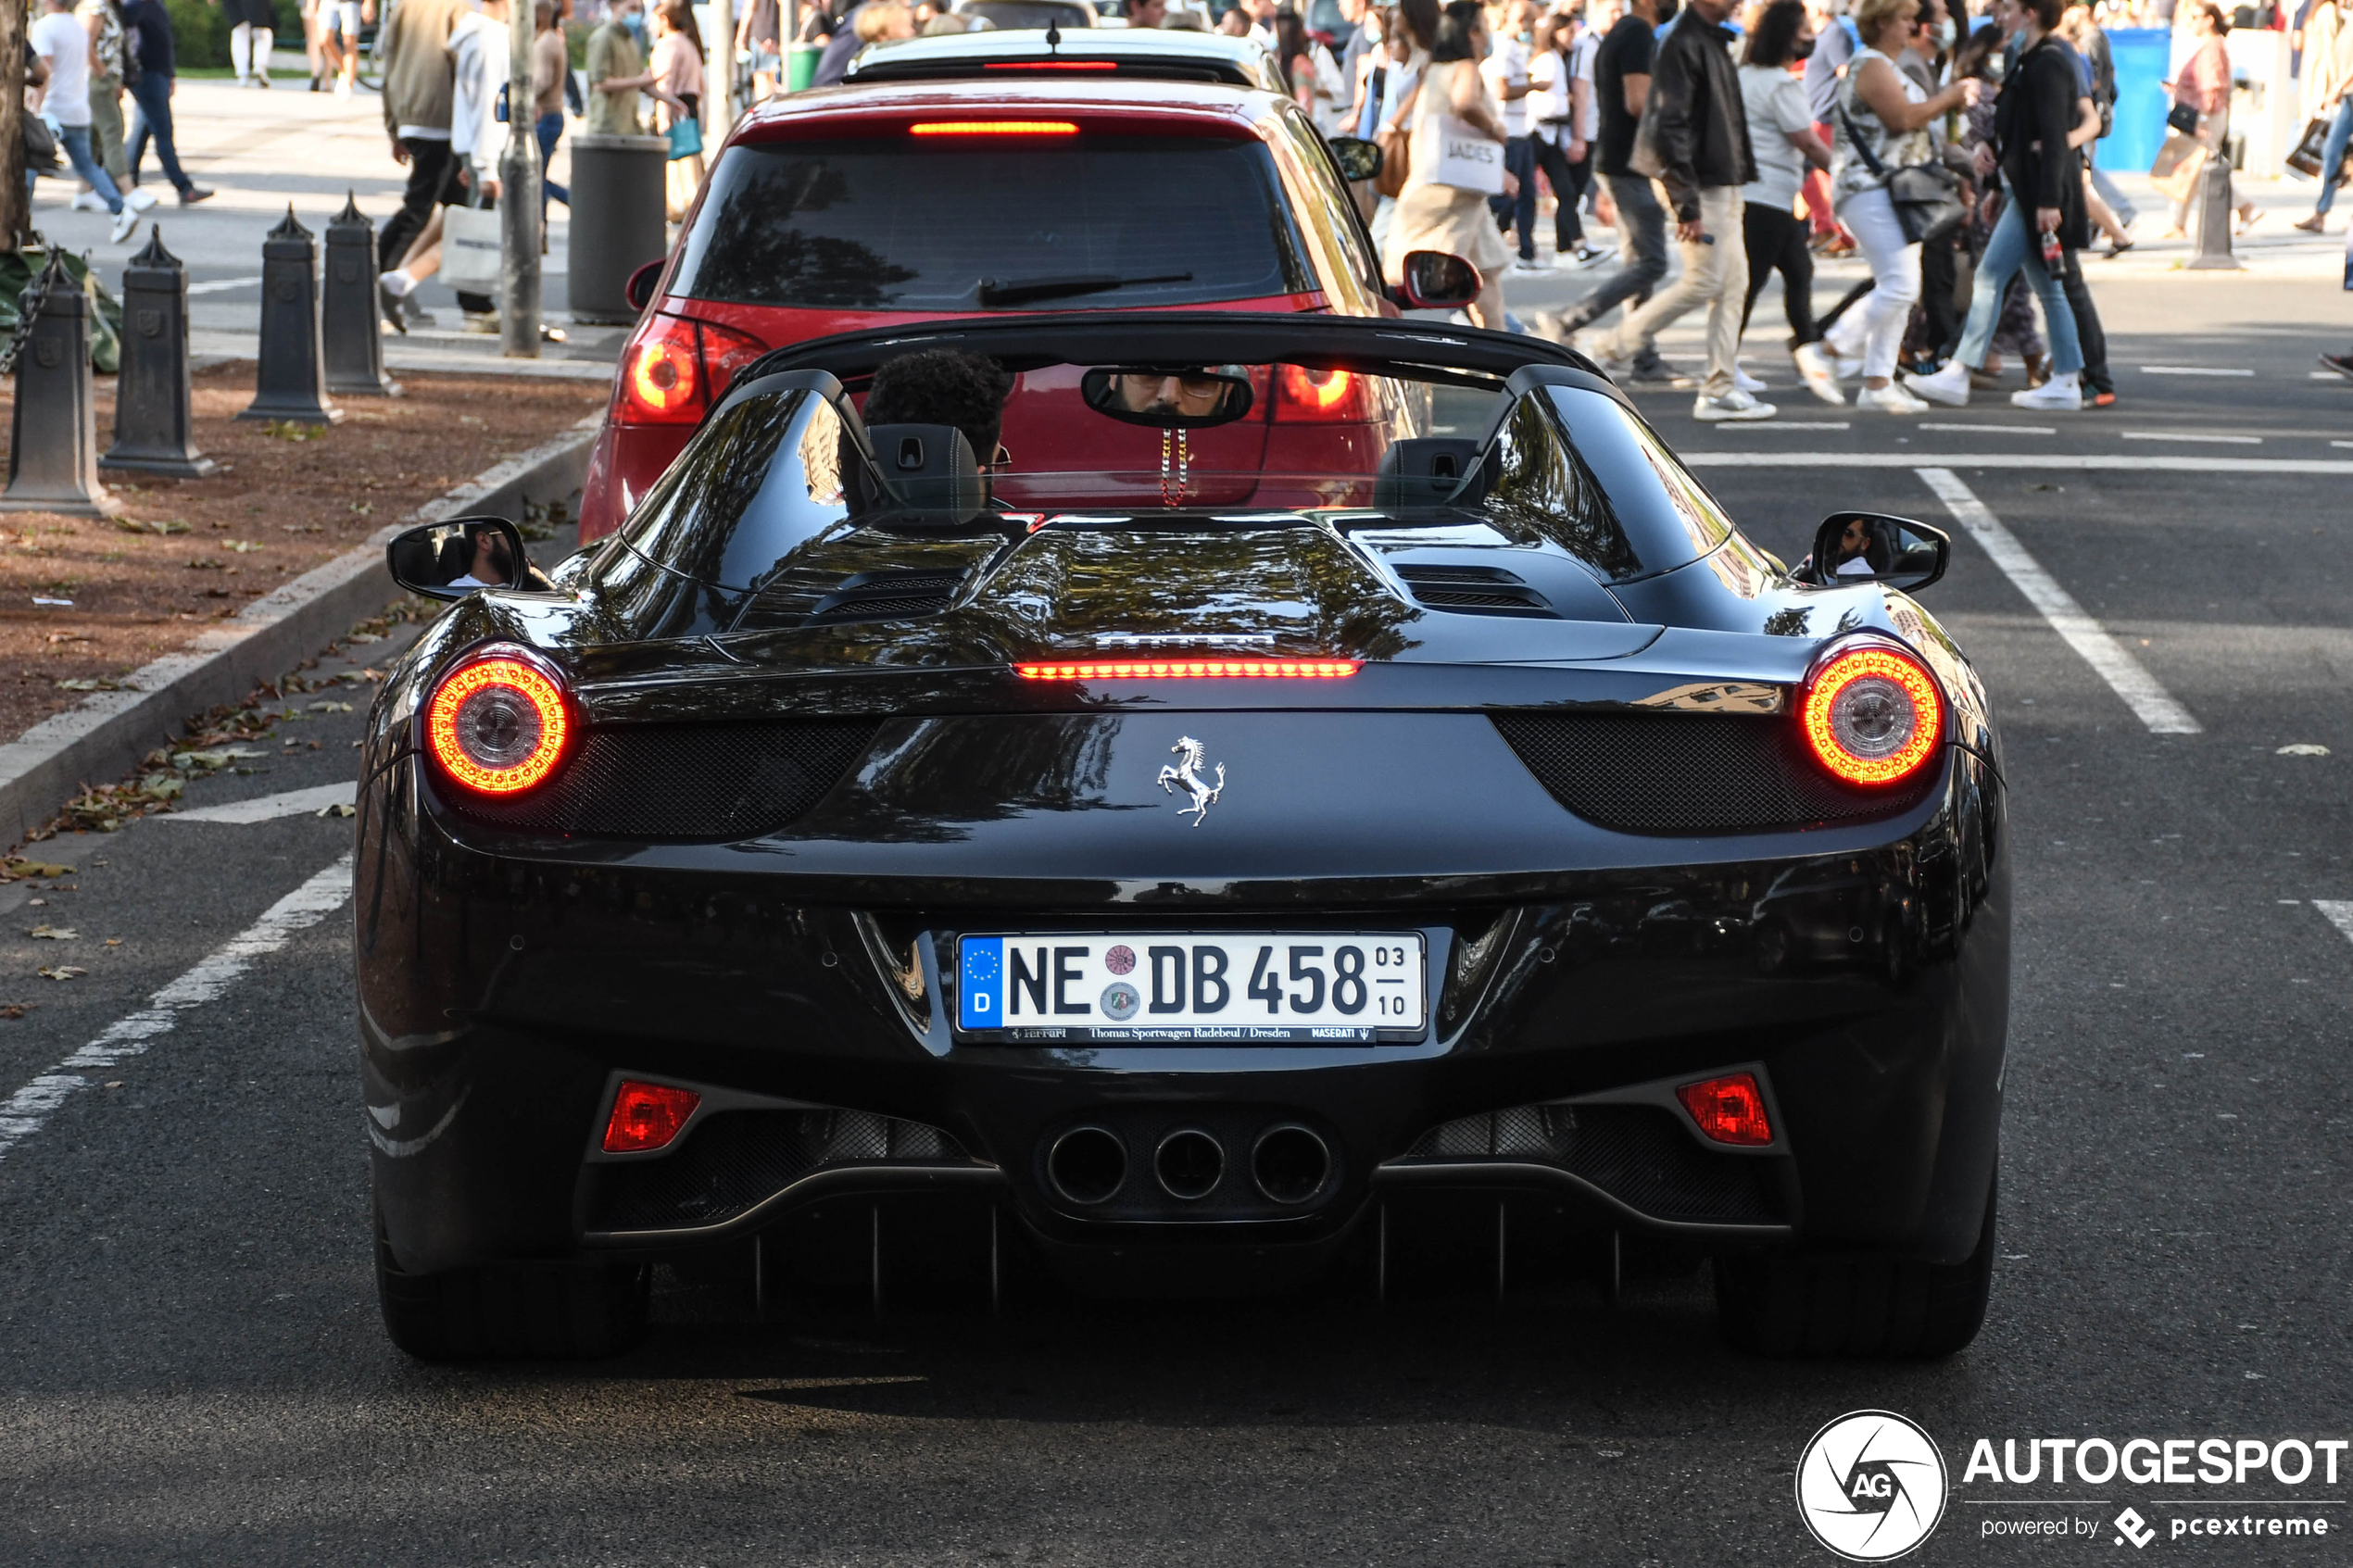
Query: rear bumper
[{"x": 503, "y": 990}]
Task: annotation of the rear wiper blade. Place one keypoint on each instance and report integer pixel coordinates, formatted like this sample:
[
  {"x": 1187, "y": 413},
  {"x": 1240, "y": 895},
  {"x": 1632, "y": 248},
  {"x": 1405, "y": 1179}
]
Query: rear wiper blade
[{"x": 994, "y": 292}]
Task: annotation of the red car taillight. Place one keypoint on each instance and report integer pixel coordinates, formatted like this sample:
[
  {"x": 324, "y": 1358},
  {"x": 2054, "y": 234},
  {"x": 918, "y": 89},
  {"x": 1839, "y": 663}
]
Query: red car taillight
[
  {"x": 1729, "y": 1110},
  {"x": 647, "y": 1116},
  {"x": 1305, "y": 397},
  {"x": 498, "y": 724},
  {"x": 675, "y": 368},
  {"x": 1872, "y": 716}
]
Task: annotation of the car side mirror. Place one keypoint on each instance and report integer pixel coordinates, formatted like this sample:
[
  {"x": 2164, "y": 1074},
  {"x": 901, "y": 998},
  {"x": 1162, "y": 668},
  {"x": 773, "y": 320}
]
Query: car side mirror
[
  {"x": 639, "y": 290},
  {"x": 1435, "y": 281},
  {"x": 449, "y": 560},
  {"x": 1875, "y": 548},
  {"x": 1358, "y": 158}
]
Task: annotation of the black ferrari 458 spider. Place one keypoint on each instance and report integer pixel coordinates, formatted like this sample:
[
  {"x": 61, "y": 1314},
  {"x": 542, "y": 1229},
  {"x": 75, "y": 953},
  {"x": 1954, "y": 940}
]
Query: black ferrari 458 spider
[{"x": 885, "y": 867}]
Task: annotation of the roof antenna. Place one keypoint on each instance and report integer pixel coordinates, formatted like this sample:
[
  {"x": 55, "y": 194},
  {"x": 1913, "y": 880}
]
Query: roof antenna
[{"x": 1053, "y": 36}]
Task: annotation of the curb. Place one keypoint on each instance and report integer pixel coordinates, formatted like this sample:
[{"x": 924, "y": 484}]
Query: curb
[{"x": 107, "y": 732}]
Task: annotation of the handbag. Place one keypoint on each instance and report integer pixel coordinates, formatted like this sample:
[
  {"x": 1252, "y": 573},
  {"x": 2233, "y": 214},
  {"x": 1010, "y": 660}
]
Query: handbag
[
  {"x": 2184, "y": 119},
  {"x": 1467, "y": 159},
  {"x": 2306, "y": 159},
  {"x": 2179, "y": 163},
  {"x": 473, "y": 249},
  {"x": 686, "y": 137},
  {"x": 40, "y": 144},
  {"x": 1396, "y": 149},
  {"x": 1926, "y": 195}
]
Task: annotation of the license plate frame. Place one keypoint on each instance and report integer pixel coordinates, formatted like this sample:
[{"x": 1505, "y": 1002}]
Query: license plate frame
[{"x": 1031, "y": 987}]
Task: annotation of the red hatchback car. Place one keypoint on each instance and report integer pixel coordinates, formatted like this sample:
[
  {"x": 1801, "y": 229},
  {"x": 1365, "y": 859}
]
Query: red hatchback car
[{"x": 846, "y": 209}]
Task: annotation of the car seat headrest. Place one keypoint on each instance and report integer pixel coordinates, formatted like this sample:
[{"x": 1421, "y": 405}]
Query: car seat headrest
[
  {"x": 1424, "y": 472},
  {"x": 930, "y": 473}
]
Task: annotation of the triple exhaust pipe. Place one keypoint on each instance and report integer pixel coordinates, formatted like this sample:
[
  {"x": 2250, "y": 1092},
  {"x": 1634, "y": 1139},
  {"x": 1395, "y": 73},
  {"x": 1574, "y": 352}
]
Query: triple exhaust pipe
[{"x": 1289, "y": 1165}]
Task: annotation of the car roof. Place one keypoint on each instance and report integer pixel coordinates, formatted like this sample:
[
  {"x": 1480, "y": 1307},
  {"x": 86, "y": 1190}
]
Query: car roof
[
  {"x": 1180, "y": 54},
  {"x": 1102, "y": 101}
]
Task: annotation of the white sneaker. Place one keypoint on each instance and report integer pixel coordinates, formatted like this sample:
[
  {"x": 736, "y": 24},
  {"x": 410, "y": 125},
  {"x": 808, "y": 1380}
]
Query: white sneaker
[
  {"x": 1889, "y": 399},
  {"x": 126, "y": 220},
  {"x": 1533, "y": 269},
  {"x": 1745, "y": 382},
  {"x": 1820, "y": 376},
  {"x": 1949, "y": 386},
  {"x": 138, "y": 198},
  {"x": 87, "y": 201},
  {"x": 2063, "y": 392},
  {"x": 1734, "y": 404}
]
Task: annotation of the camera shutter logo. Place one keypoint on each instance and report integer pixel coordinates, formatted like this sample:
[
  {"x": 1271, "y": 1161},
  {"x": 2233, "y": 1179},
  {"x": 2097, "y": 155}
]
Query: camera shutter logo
[{"x": 1871, "y": 1486}]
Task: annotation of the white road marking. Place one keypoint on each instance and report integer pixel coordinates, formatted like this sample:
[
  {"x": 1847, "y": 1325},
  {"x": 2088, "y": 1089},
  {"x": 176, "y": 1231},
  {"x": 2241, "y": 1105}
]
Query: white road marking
[
  {"x": 26, "y": 1110},
  {"x": 1802, "y": 424},
  {"x": 2323, "y": 375},
  {"x": 2340, "y": 913},
  {"x": 2155, "y": 705},
  {"x": 2015, "y": 462},
  {"x": 2181, "y": 435},
  {"x": 223, "y": 285},
  {"x": 1997, "y": 430},
  {"x": 269, "y": 807},
  {"x": 2189, "y": 371},
  {"x": 2341, "y": 443}
]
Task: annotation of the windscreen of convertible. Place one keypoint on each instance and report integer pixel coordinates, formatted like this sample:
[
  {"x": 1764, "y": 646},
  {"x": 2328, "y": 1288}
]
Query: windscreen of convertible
[{"x": 1112, "y": 222}]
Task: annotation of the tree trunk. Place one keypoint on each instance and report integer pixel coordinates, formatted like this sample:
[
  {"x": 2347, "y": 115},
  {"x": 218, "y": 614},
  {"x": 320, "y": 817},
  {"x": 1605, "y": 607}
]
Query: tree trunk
[{"x": 16, "y": 206}]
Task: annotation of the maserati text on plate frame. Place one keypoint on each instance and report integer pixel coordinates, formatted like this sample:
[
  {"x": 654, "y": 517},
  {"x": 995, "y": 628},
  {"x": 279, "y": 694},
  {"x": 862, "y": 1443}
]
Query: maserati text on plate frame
[{"x": 1194, "y": 985}]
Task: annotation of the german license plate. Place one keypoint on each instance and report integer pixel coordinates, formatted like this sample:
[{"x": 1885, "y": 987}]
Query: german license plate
[{"x": 1290, "y": 985}]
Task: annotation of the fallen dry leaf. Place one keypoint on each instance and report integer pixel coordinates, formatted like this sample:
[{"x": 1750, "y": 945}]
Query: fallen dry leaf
[
  {"x": 62, "y": 971},
  {"x": 55, "y": 933}
]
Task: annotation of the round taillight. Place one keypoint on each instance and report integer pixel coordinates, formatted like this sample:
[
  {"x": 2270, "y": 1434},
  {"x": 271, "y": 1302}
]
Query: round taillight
[
  {"x": 662, "y": 378},
  {"x": 1872, "y": 716},
  {"x": 497, "y": 725}
]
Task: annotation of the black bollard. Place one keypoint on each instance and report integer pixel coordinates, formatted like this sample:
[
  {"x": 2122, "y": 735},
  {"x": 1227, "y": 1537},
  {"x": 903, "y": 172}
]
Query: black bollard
[
  {"x": 52, "y": 449},
  {"x": 2213, "y": 221},
  {"x": 152, "y": 430},
  {"x": 292, "y": 380},
  {"x": 355, "y": 350}
]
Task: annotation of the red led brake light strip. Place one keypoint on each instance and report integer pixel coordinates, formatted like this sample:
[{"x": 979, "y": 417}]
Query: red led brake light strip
[
  {"x": 993, "y": 128},
  {"x": 1191, "y": 668}
]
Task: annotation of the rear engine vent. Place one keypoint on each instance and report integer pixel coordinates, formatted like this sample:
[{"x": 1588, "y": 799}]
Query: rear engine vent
[
  {"x": 1697, "y": 773},
  {"x": 1475, "y": 590},
  {"x": 689, "y": 781},
  {"x": 738, "y": 1160},
  {"x": 1636, "y": 1153},
  {"x": 889, "y": 595}
]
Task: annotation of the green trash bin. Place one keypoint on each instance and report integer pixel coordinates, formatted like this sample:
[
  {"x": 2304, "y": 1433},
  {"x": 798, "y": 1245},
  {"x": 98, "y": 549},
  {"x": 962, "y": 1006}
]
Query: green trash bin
[{"x": 800, "y": 66}]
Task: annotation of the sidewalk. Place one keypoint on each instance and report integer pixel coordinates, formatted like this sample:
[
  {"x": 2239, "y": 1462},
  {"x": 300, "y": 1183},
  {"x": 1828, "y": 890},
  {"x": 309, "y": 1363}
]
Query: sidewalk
[{"x": 264, "y": 151}]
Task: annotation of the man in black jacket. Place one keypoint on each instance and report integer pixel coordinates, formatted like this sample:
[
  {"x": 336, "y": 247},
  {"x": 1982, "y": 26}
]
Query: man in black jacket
[{"x": 1693, "y": 142}]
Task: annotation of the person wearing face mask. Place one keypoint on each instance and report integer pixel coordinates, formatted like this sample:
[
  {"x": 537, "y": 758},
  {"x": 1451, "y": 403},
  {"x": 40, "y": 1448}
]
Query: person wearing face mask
[
  {"x": 616, "y": 73},
  {"x": 1781, "y": 132}
]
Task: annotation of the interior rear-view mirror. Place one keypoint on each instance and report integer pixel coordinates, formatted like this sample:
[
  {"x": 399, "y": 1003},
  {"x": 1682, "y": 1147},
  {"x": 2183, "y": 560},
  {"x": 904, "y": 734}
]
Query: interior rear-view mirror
[
  {"x": 1358, "y": 158},
  {"x": 639, "y": 290},
  {"x": 1875, "y": 548},
  {"x": 1168, "y": 396},
  {"x": 1436, "y": 280},
  {"x": 448, "y": 560}
]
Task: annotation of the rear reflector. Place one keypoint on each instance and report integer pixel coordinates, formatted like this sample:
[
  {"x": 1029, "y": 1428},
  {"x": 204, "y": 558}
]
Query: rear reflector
[
  {"x": 647, "y": 1116},
  {"x": 1191, "y": 669},
  {"x": 993, "y": 128},
  {"x": 1729, "y": 1110}
]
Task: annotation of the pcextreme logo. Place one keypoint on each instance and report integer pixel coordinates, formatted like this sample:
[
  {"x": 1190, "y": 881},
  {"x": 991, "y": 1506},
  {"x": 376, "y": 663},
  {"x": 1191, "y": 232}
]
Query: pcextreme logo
[{"x": 1871, "y": 1486}]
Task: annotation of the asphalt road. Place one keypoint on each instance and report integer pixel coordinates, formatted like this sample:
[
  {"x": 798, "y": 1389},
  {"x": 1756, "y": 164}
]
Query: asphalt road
[{"x": 191, "y": 1368}]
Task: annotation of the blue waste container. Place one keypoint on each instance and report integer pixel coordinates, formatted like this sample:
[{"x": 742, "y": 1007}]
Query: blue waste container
[{"x": 2141, "y": 54}]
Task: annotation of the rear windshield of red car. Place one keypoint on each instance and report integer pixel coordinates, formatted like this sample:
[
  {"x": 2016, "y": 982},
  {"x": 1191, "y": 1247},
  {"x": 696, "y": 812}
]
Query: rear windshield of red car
[{"x": 1092, "y": 222}]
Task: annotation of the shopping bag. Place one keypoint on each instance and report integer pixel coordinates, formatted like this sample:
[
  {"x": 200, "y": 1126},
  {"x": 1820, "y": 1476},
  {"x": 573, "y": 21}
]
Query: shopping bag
[
  {"x": 2178, "y": 163},
  {"x": 471, "y": 249},
  {"x": 1467, "y": 158},
  {"x": 2306, "y": 159},
  {"x": 686, "y": 137}
]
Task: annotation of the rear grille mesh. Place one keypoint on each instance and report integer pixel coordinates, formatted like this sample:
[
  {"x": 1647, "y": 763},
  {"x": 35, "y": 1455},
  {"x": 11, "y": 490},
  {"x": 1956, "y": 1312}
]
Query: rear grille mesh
[
  {"x": 1635, "y": 1153},
  {"x": 1475, "y": 590},
  {"x": 689, "y": 781},
  {"x": 736, "y": 1159},
  {"x": 1703, "y": 773},
  {"x": 889, "y": 596}
]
